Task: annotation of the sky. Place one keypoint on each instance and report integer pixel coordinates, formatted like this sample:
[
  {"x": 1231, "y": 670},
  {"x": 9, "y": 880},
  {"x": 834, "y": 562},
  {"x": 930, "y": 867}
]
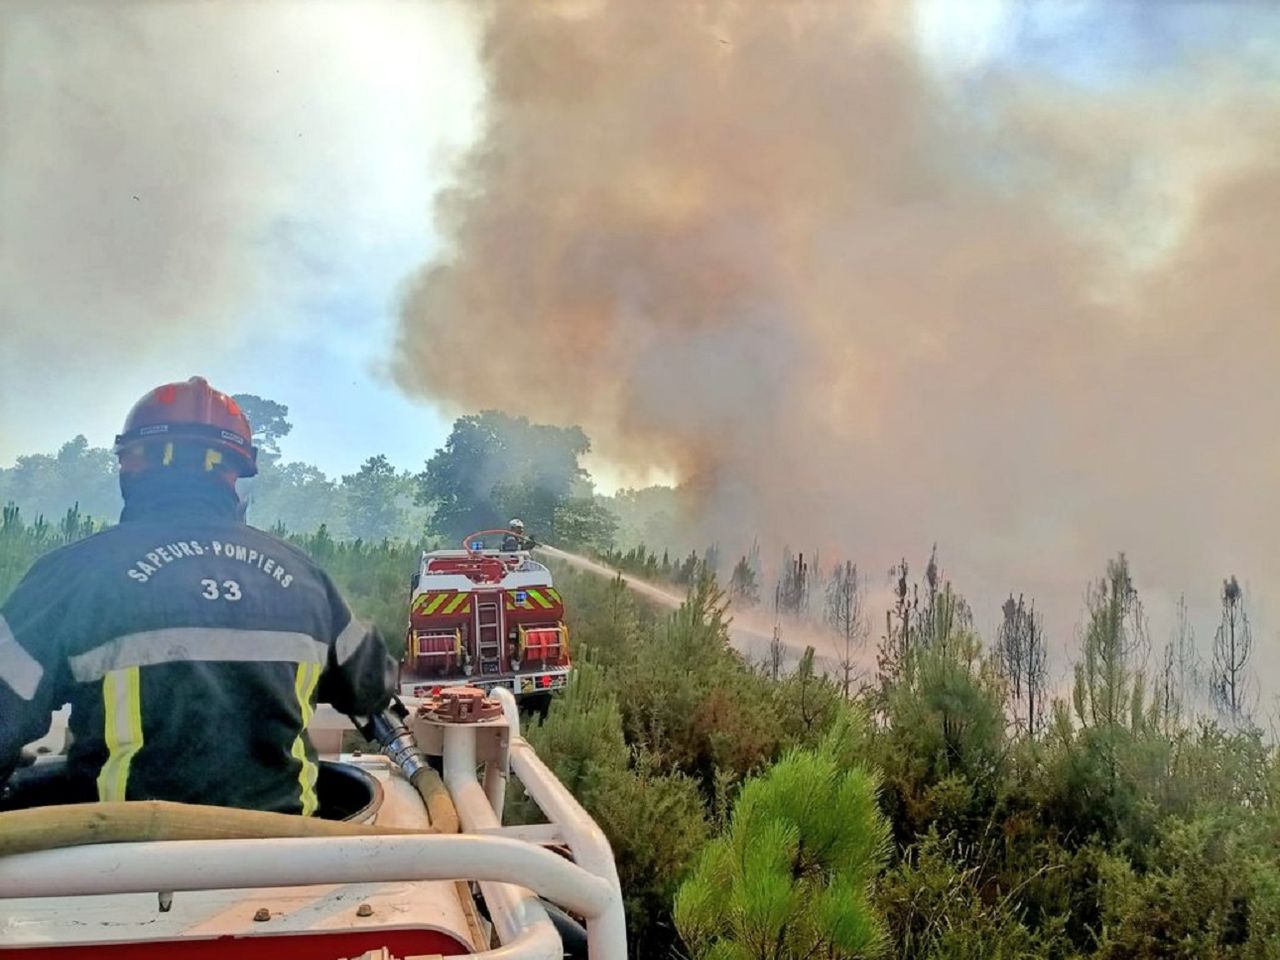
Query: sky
[
  {"x": 226, "y": 190},
  {"x": 985, "y": 272}
]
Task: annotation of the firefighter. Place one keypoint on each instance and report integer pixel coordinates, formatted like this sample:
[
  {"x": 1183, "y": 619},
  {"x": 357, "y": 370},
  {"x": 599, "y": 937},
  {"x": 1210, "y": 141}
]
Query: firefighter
[
  {"x": 515, "y": 538},
  {"x": 191, "y": 647}
]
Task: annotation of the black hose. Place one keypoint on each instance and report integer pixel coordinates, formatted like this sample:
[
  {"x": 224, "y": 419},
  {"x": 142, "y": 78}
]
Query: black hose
[{"x": 572, "y": 934}]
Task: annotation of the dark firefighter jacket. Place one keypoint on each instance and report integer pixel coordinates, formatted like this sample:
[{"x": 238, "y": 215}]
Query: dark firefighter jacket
[{"x": 192, "y": 649}]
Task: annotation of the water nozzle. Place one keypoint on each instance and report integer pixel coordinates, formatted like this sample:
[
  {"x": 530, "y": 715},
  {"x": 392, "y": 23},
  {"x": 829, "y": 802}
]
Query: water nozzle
[{"x": 388, "y": 729}]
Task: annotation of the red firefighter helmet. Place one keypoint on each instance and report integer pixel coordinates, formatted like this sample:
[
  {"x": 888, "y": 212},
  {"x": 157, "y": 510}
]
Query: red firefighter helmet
[{"x": 191, "y": 414}]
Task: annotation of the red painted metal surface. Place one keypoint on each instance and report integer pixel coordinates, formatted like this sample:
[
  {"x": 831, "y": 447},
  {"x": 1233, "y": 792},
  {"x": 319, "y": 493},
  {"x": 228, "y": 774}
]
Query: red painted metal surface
[{"x": 302, "y": 946}]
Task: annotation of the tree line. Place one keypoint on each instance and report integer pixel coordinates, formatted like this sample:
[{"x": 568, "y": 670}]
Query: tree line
[
  {"x": 927, "y": 611},
  {"x": 491, "y": 467},
  {"x": 949, "y": 806}
]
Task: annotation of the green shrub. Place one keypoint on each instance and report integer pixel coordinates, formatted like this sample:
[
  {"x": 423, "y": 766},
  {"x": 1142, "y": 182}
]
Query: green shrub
[{"x": 790, "y": 878}]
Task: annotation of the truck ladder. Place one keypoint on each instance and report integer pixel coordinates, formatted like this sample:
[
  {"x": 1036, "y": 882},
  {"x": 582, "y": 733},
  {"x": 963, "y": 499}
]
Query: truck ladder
[{"x": 489, "y": 637}]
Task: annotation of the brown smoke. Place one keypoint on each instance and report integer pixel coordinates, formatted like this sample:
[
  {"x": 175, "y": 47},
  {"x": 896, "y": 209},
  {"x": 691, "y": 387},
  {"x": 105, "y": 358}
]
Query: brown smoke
[{"x": 857, "y": 308}]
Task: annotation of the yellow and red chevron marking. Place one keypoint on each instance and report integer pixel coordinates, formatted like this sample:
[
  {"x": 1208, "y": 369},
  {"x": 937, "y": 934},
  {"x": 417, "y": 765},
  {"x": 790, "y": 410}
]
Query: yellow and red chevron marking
[
  {"x": 442, "y": 603},
  {"x": 536, "y": 598}
]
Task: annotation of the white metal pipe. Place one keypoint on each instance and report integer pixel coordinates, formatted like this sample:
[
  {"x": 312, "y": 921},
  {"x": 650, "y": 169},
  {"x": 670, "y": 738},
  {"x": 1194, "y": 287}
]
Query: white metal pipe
[
  {"x": 495, "y": 788},
  {"x": 511, "y": 908},
  {"x": 497, "y": 776},
  {"x": 510, "y": 709},
  {"x": 234, "y": 864},
  {"x": 460, "y": 777},
  {"x": 607, "y": 932}
]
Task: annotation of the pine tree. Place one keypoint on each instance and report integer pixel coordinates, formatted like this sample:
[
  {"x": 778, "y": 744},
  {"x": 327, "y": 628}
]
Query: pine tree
[
  {"x": 1230, "y": 682},
  {"x": 791, "y": 877},
  {"x": 844, "y": 613},
  {"x": 744, "y": 587},
  {"x": 1109, "y": 677},
  {"x": 1022, "y": 655}
]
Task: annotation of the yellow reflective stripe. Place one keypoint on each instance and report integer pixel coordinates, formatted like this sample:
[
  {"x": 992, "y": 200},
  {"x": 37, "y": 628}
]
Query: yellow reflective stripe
[
  {"x": 553, "y": 594},
  {"x": 455, "y": 603},
  {"x": 304, "y": 685},
  {"x": 122, "y": 730},
  {"x": 540, "y": 599},
  {"x": 466, "y": 607},
  {"x": 438, "y": 599}
]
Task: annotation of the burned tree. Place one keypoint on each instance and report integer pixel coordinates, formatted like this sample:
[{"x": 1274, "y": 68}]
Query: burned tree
[
  {"x": 1180, "y": 673},
  {"x": 1023, "y": 657},
  {"x": 934, "y": 606},
  {"x": 744, "y": 587},
  {"x": 1168, "y": 702},
  {"x": 1232, "y": 650},
  {"x": 844, "y": 613},
  {"x": 777, "y": 652},
  {"x": 689, "y": 571},
  {"x": 939, "y": 613},
  {"x": 711, "y": 560},
  {"x": 791, "y": 596},
  {"x": 895, "y": 645}
]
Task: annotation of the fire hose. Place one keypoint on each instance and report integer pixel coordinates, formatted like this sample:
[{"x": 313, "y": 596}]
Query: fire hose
[{"x": 388, "y": 729}]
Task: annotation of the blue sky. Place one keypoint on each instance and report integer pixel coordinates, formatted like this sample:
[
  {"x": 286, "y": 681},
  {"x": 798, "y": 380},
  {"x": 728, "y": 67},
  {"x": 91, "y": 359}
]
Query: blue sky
[{"x": 1095, "y": 44}]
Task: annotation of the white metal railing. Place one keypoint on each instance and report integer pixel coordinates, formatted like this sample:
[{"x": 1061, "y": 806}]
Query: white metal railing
[
  {"x": 479, "y": 809},
  {"x": 178, "y": 865},
  {"x": 511, "y": 864},
  {"x": 606, "y": 931},
  {"x": 521, "y": 571}
]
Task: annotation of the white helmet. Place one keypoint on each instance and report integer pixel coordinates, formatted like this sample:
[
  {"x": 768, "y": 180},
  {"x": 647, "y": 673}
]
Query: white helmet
[{"x": 517, "y": 525}]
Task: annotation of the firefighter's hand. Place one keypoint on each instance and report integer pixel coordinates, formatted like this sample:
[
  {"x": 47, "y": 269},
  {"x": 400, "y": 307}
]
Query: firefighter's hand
[{"x": 25, "y": 758}]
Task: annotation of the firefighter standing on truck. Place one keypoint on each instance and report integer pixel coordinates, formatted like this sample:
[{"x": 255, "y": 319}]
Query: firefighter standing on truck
[
  {"x": 192, "y": 648},
  {"x": 515, "y": 538}
]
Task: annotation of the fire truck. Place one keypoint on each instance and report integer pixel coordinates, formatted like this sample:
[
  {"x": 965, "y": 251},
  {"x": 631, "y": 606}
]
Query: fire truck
[
  {"x": 484, "y": 618},
  {"x": 408, "y": 857}
]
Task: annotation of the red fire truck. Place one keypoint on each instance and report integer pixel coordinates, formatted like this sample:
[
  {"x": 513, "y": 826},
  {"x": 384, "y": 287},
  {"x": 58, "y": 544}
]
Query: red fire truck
[{"x": 484, "y": 618}]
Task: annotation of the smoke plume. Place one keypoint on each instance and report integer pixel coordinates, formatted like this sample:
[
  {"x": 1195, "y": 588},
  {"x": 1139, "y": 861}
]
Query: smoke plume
[
  {"x": 857, "y": 306},
  {"x": 182, "y": 180}
]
